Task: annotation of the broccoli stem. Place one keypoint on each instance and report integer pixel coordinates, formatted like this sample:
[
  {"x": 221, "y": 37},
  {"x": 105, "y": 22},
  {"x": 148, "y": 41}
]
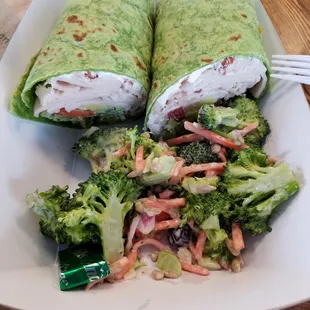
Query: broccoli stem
[
  {"x": 270, "y": 204},
  {"x": 111, "y": 231}
]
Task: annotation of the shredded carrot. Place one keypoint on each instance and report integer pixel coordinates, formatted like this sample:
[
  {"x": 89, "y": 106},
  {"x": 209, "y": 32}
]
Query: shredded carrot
[
  {"x": 202, "y": 238},
  {"x": 222, "y": 155},
  {"x": 212, "y": 136},
  {"x": 247, "y": 129},
  {"x": 201, "y": 167},
  {"x": 162, "y": 204},
  {"x": 174, "y": 203},
  {"x": 220, "y": 151},
  {"x": 231, "y": 248},
  {"x": 237, "y": 237},
  {"x": 214, "y": 172},
  {"x": 159, "y": 205},
  {"x": 116, "y": 267},
  {"x": 175, "y": 179},
  {"x": 166, "y": 194},
  {"x": 169, "y": 153},
  {"x": 140, "y": 159},
  {"x": 211, "y": 173},
  {"x": 271, "y": 160},
  {"x": 196, "y": 269},
  {"x": 169, "y": 224},
  {"x": 184, "y": 139},
  {"x": 178, "y": 165},
  {"x": 192, "y": 249},
  {"x": 132, "y": 257},
  {"x": 122, "y": 151}
]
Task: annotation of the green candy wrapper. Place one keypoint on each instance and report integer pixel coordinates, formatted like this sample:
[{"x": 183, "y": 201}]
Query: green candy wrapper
[{"x": 80, "y": 266}]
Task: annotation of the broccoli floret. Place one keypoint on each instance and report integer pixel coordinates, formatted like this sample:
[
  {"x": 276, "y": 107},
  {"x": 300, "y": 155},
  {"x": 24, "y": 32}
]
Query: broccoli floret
[
  {"x": 152, "y": 147},
  {"x": 98, "y": 145},
  {"x": 250, "y": 113},
  {"x": 49, "y": 206},
  {"x": 199, "y": 152},
  {"x": 257, "y": 188},
  {"x": 200, "y": 207},
  {"x": 215, "y": 234},
  {"x": 213, "y": 118},
  {"x": 200, "y": 185},
  {"x": 215, "y": 247},
  {"x": 221, "y": 253},
  {"x": 227, "y": 121},
  {"x": 96, "y": 212},
  {"x": 159, "y": 170},
  {"x": 103, "y": 200}
]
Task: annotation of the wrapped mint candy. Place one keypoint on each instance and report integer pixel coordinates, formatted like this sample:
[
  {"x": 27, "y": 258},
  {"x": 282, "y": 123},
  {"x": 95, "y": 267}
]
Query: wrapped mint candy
[{"x": 80, "y": 266}]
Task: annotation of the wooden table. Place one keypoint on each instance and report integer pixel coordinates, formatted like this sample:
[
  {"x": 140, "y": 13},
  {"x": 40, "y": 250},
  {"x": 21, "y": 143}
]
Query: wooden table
[{"x": 291, "y": 18}]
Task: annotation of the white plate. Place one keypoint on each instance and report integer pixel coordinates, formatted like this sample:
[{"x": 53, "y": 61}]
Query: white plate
[{"x": 33, "y": 155}]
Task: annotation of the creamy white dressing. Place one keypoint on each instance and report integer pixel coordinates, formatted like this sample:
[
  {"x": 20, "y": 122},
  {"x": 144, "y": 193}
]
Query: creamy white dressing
[
  {"x": 210, "y": 83},
  {"x": 89, "y": 90}
]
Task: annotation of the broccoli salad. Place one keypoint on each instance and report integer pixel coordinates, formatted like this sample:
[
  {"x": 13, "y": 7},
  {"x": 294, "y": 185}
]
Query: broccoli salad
[{"x": 191, "y": 198}]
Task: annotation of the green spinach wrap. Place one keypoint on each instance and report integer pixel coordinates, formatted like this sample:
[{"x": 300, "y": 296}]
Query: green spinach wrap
[
  {"x": 204, "y": 51},
  {"x": 94, "y": 67}
]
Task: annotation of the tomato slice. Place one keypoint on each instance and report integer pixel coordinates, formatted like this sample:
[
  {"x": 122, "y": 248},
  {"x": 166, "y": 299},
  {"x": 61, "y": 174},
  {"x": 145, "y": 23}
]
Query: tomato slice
[{"x": 76, "y": 113}]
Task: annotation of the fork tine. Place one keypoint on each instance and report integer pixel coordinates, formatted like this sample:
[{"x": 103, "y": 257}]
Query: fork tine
[
  {"x": 304, "y": 72},
  {"x": 303, "y": 58},
  {"x": 294, "y": 64},
  {"x": 293, "y": 78}
]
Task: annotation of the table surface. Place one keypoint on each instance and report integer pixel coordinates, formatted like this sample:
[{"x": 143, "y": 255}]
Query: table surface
[{"x": 291, "y": 18}]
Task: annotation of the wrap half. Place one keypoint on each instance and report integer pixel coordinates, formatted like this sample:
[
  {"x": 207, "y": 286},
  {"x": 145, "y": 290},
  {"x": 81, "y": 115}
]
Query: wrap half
[
  {"x": 205, "y": 51},
  {"x": 94, "y": 67}
]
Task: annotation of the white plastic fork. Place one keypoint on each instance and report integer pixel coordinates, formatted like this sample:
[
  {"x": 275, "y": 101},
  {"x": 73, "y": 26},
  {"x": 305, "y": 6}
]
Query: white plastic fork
[{"x": 297, "y": 65}]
